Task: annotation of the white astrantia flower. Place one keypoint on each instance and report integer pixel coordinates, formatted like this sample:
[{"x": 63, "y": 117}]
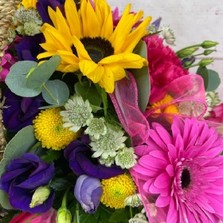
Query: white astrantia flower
[
  {"x": 134, "y": 200},
  {"x": 76, "y": 114},
  {"x": 125, "y": 158},
  {"x": 108, "y": 144},
  {"x": 96, "y": 127},
  {"x": 168, "y": 35},
  {"x": 138, "y": 218},
  {"x": 27, "y": 21},
  {"x": 108, "y": 161}
]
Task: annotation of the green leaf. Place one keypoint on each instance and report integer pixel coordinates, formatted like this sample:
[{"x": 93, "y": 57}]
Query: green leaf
[
  {"x": 60, "y": 183},
  {"x": 141, "y": 49},
  {"x": 17, "y": 146},
  {"x": 51, "y": 155},
  {"x": 22, "y": 67},
  {"x": 143, "y": 84},
  {"x": 104, "y": 98},
  {"x": 142, "y": 77},
  {"x": 90, "y": 93},
  {"x": 55, "y": 92},
  {"x": 210, "y": 77},
  {"x": 16, "y": 79},
  {"x": 42, "y": 73},
  {"x": 120, "y": 215}
]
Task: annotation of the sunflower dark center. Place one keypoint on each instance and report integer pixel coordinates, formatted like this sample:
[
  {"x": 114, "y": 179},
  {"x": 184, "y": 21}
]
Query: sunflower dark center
[
  {"x": 97, "y": 48},
  {"x": 185, "y": 178}
]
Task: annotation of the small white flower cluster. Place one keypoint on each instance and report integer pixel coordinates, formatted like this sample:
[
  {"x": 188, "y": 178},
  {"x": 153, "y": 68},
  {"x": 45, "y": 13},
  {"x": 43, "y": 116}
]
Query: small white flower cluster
[
  {"x": 107, "y": 140},
  {"x": 138, "y": 218},
  {"x": 212, "y": 99},
  {"x": 27, "y": 21},
  {"x": 134, "y": 200}
]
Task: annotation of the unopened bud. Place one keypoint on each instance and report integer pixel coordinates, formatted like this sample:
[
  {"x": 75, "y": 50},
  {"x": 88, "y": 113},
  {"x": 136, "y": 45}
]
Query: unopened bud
[
  {"x": 40, "y": 195},
  {"x": 186, "y": 52},
  {"x": 64, "y": 215},
  {"x": 207, "y": 52},
  {"x": 208, "y": 44},
  {"x": 205, "y": 62}
]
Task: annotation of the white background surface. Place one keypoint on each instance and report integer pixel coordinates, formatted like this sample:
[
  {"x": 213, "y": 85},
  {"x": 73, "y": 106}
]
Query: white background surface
[{"x": 192, "y": 22}]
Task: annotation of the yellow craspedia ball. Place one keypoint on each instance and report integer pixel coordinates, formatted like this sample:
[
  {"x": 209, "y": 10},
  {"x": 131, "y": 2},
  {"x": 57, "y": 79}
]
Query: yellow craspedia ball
[
  {"x": 116, "y": 190},
  {"x": 49, "y": 130}
]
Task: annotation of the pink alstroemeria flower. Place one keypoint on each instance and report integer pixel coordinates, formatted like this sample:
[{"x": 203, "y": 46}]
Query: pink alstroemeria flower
[{"x": 25, "y": 217}]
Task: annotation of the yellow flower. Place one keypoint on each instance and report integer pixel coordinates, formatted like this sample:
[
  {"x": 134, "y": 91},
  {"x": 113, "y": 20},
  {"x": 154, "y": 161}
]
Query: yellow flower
[
  {"x": 116, "y": 190},
  {"x": 164, "y": 106},
  {"x": 49, "y": 130},
  {"x": 86, "y": 40},
  {"x": 29, "y": 4}
]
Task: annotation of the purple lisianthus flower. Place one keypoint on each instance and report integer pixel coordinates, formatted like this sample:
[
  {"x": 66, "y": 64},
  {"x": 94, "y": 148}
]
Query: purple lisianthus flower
[
  {"x": 28, "y": 48},
  {"x": 88, "y": 191},
  {"x": 78, "y": 153},
  {"x": 19, "y": 112},
  {"x": 22, "y": 177},
  {"x": 42, "y": 7}
]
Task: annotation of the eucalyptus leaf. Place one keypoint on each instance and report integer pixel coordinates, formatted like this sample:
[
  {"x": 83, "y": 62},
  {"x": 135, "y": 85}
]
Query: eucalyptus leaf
[
  {"x": 17, "y": 146},
  {"x": 210, "y": 77},
  {"x": 55, "y": 92},
  {"x": 4, "y": 200},
  {"x": 42, "y": 73},
  {"x": 16, "y": 79},
  {"x": 22, "y": 67}
]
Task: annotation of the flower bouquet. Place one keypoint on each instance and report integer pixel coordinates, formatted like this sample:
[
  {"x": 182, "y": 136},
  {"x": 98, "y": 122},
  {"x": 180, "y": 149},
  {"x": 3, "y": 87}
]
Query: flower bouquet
[{"x": 102, "y": 121}]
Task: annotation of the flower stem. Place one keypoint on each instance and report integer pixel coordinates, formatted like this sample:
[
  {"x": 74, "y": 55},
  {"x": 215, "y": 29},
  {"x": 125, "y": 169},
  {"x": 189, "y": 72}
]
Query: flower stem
[
  {"x": 130, "y": 211},
  {"x": 64, "y": 201},
  {"x": 77, "y": 214}
]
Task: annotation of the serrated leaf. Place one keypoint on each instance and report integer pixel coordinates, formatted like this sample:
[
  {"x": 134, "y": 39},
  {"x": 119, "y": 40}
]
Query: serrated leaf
[
  {"x": 17, "y": 146},
  {"x": 89, "y": 93},
  {"x": 55, "y": 92},
  {"x": 104, "y": 98},
  {"x": 60, "y": 184},
  {"x": 16, "y": 79},
  {"x": 42, "y": 73}
]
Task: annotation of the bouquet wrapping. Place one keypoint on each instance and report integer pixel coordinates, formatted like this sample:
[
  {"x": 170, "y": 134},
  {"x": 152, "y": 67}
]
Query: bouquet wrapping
[{"x": 102, "y": 121}]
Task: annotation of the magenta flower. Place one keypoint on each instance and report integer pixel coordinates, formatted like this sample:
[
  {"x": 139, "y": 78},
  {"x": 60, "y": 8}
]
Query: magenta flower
[
  {"x": 164, "y": 66},
  {"x": 180, "y": 173},
  {"x": 46, "y": 217},
  {"x": 6, "y": 62}
]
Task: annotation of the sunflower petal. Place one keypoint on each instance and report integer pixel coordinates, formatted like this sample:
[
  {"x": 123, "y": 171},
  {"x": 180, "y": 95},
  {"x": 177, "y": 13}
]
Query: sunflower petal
[{"x": 125, "y": 60}]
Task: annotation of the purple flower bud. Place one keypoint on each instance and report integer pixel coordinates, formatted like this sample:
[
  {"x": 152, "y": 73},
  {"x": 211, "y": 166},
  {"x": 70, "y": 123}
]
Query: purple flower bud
[{"x": 88, "y": 192}]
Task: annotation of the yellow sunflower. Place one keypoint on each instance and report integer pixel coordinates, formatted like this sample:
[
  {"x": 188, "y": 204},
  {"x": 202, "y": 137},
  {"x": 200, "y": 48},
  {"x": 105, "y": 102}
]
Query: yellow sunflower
[{"x": 86, "y": 40}]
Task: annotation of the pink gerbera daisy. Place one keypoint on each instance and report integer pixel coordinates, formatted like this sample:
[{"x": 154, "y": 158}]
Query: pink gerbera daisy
[{"x": 180, "y": 173}]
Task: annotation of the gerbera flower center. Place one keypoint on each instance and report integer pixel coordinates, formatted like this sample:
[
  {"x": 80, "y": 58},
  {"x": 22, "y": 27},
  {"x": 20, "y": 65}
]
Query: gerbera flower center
[
  {"x": 97, "y": 48},
  {"x": 185, "y": 178}
]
